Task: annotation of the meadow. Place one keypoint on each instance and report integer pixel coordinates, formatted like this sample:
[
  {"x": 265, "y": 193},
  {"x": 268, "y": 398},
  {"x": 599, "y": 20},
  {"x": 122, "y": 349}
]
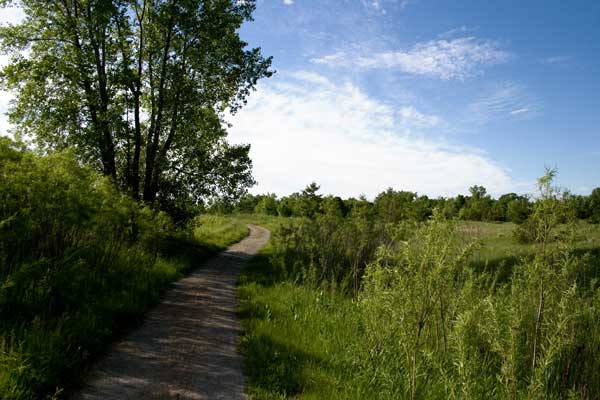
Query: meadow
[{"x": 444, "y": 309}]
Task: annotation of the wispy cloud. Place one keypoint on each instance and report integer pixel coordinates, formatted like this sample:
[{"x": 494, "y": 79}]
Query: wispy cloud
[
  {"x": 507, "y": 100},
  {"x": 555, "y": 59},
  {"x": 288, "y": 2},
  {"x": 444, "y": 59},
  {"x": 307, "y": 127},
  {"x": 461, "y": 30},
  {"x": 411, "y": 117},
  {"x": 379, "y": 6}
]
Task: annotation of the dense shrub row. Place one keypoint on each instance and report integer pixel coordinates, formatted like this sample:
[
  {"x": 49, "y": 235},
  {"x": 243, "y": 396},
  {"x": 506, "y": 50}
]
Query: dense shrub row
[
  {"x": 395, "y": 206},
  {"x": 78, "y": 260}
]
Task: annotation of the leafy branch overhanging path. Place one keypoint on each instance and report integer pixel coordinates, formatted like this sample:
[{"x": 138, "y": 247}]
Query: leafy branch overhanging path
[{"x": 187, "y": 346}]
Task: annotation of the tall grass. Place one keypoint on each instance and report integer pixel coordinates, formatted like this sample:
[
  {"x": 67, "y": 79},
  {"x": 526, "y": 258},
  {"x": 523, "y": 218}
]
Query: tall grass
[
  {"x": 428, "y": 321},
  {"x": 79, "y": 262},
  {"x": 218, "y": 231}
]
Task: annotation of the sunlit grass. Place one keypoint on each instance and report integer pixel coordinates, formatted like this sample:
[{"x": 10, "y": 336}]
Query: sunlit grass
[
  {"x": 307, "y": 342},
  {"x": 219, "y": 231}
]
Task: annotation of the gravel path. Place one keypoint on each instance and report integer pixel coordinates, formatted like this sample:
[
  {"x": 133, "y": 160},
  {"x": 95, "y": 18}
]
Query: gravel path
[{"x": 187, "y": 346}]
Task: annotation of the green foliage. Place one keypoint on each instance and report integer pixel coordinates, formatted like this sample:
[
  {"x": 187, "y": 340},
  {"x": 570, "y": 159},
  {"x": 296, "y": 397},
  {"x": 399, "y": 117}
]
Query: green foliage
[
  {"x": 427, "y": 322},
  {"x": 137, "y": 89},
  {"x": 267, "y": 205},
  {"x": 79, "y": 262},
  {"x": 478, "y": 205},
  {"x": 518, "y": 210},
  {"x": 334, "y": 206},
  {"x": 594, "y": 205},
  {"x": 549, "y": 211},
  {"x": 284, "y": 207},
  {"x": 394, "y": 206},
  {"x": 330, "y": 250}
]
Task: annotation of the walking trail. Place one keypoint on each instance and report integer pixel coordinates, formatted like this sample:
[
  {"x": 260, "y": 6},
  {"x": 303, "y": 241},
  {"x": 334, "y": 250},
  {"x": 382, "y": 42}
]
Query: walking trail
[{"x": 187, "y": 346}]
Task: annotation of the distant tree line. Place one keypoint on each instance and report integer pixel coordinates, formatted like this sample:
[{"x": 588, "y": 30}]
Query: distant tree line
[{"x": 398, "y": 205}]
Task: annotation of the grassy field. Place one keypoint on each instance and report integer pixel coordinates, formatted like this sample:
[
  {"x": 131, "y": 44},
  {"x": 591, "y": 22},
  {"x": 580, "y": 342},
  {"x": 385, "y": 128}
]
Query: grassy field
[
  {"x": 307, "y": 342},
  {"x": 298, "y": 341},
  {"x": 498, "y": 251},
  {"x": 219, "y": 232}
]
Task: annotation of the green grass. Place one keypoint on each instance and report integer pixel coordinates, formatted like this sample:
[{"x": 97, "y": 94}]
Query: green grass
[
  {"x": 43, "y": 355},
  {"x": 298, "y": 341},
  {"x": 219, "y": 231},
  {"x": 499, "y": 252},
  {"x": 267, "y": 221},
  {"x": 303, "y": 342}
]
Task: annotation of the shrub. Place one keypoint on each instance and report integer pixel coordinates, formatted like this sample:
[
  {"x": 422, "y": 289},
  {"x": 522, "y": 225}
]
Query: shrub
[
  {"x": 330, "y": 250},
  {"x": 267, "y": 205},
  {"x": 77, "y": 259}
]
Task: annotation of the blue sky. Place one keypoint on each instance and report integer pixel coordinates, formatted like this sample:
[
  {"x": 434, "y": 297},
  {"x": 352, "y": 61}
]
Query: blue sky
[
  {"x": 431, "y": 96},
  {"x": 422, "y": 95}
]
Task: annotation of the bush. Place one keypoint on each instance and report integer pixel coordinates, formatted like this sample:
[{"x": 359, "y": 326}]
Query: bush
[
  {"x": 267, "y": 205},
  {"x": 518, "y": 210},
  {"x": 330, "y": 250}
]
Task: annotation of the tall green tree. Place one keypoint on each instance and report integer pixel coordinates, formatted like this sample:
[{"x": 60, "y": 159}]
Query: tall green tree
[
  {"x": 594, "y": 205},
  {"x": 138, "y": 88},
  {"x": 393, "y": 206}
]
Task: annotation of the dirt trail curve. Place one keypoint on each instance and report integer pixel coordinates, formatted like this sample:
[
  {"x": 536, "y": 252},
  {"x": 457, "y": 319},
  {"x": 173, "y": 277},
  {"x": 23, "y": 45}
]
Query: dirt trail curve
[{"x": 187, "y": 346}]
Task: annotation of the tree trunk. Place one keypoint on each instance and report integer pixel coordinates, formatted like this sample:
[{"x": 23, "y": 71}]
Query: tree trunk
[
  {"x": 154, "y": 134},
  {"x": 99, "y": 47},
  {"x": 135, "y": 173}
]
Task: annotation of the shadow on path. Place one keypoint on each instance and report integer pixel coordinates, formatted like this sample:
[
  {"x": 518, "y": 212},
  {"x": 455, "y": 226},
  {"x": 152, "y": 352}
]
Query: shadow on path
[{"x": 187, "y": 346}]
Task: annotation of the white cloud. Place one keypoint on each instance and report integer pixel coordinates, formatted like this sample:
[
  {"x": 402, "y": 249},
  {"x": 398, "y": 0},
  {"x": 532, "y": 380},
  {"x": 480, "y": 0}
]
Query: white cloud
[
  {"x": 505, "y": 100},
  {"x": 374, "y": 5},
  {"x": 445, "y": 59},
  {"x": 307, "y": 128},
  {"x": 8, "y": 15},
  {"x": 11, "y": 15},
  {"x": 410, "y": 116},
  {"x": 377, "y": 5},
  {"x": 461, "y": 30},
  {"x": 5, "y": 99},
  {"x": 288, "y": 2}
]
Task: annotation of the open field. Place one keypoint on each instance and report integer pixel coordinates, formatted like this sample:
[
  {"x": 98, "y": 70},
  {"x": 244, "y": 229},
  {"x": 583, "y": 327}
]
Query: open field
[{"x": 310, "y": 341}]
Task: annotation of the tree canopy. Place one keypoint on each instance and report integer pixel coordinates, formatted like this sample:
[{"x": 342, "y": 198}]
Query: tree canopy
[{"x": 139, "y": 88}]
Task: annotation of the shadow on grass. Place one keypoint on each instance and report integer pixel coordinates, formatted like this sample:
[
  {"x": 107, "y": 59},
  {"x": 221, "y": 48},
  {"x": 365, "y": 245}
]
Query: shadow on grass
[
  {"x": 501, "y": 268},
  {"x": 274, "y": 369},
  {"x": 185, "y": 248},
  {"x": 261, "y": 271}
]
